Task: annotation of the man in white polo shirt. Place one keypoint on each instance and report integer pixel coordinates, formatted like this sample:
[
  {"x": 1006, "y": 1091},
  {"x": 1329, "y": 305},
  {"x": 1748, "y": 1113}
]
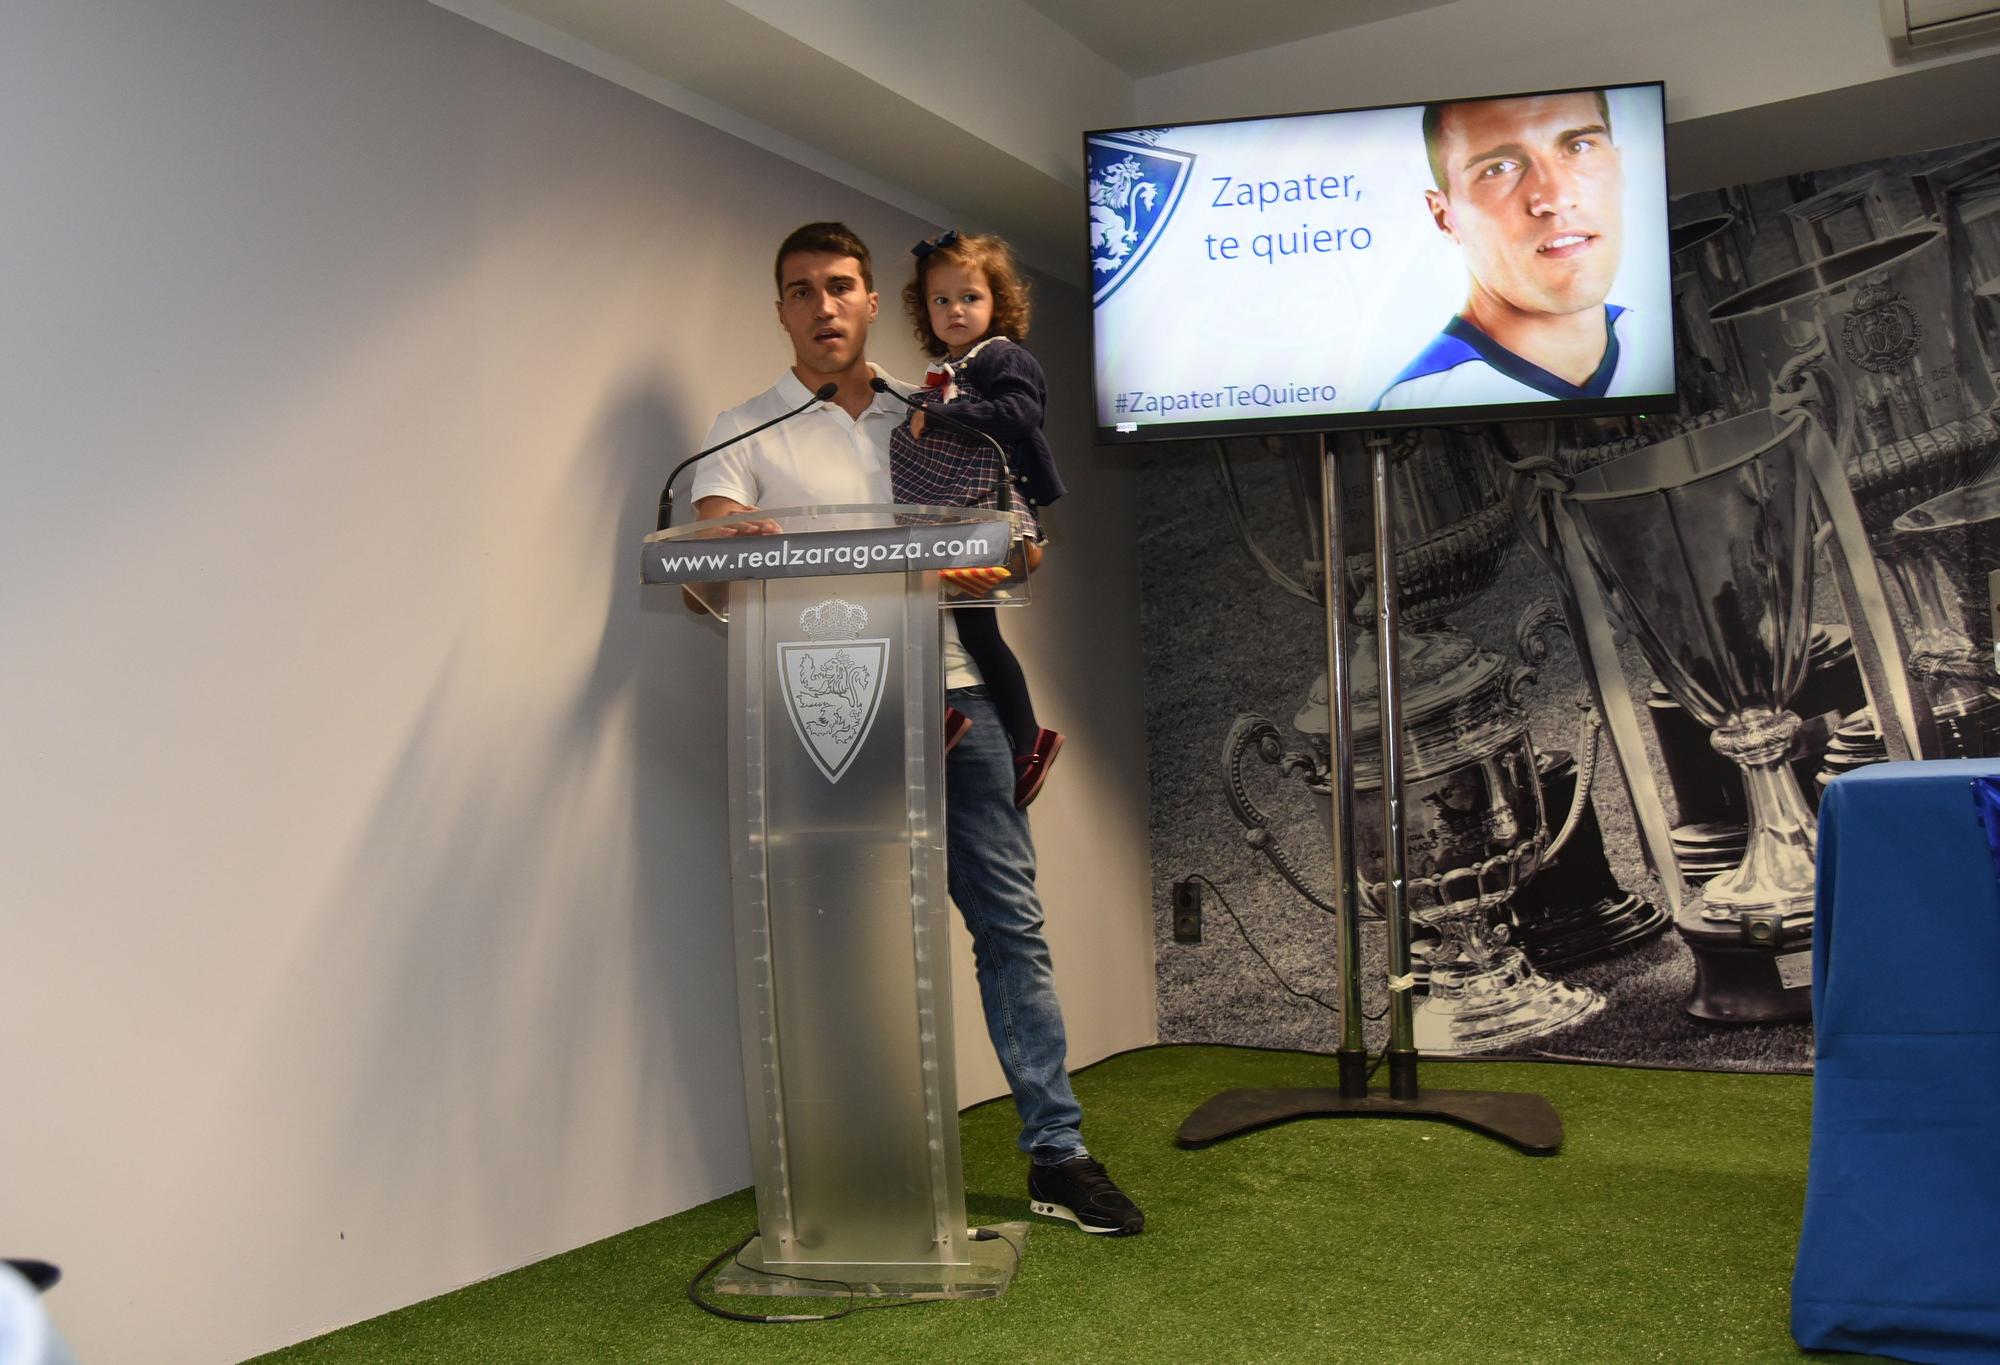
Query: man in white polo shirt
[{"x": 839, "y": 453}]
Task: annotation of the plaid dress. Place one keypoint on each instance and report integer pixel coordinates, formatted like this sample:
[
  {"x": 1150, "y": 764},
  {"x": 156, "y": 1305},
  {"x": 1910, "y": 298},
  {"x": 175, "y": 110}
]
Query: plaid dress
[{"x": 947, "y": 468}]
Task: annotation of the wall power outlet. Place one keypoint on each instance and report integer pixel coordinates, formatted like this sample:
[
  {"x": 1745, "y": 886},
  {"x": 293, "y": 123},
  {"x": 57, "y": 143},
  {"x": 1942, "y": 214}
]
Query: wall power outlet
[{"x": 1187, "y": 912}]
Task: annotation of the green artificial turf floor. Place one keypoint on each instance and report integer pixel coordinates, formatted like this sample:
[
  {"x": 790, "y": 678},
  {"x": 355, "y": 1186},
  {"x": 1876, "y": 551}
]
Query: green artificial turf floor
[{"x": 1664, "y": 1231}]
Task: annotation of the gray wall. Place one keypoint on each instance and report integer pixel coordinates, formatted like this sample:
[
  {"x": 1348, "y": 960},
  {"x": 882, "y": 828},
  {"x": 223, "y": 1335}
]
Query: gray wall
[{"x": 364, "y": 917}]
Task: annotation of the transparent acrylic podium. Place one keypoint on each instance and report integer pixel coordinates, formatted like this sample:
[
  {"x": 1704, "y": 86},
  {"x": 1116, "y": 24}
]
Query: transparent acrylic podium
[{"x": 836, "y": 814}]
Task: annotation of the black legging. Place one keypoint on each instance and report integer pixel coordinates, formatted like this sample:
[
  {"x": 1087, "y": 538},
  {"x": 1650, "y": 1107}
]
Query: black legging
[{"x": 1006, "y": 685}]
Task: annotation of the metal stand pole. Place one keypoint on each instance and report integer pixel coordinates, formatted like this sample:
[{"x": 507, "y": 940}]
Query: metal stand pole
[
  {"x": 1526, "y": 1121},
  {"x": 1389, "y": 687},
  {"x": 1353, "y": 1051}
]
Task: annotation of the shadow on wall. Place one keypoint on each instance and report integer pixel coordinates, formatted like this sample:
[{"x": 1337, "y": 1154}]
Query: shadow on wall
[{"x": 528, "y": 943}]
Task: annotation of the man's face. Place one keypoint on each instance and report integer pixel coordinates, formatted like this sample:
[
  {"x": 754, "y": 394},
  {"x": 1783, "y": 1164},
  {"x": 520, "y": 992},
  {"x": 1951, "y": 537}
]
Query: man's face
[
  {"x": 825, "y": 308},
  {"x": 1534, "y": 193}
]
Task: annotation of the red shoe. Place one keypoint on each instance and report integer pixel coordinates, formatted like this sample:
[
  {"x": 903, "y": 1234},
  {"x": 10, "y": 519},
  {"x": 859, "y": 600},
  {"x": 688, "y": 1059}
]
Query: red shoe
[
  {"x": 1032, "y": 768},
  {"x": 956, "y": 723}
]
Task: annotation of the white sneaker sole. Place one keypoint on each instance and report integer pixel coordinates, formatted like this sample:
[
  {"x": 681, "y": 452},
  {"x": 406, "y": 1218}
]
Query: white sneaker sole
[{"x": 1058, "y": 1211}]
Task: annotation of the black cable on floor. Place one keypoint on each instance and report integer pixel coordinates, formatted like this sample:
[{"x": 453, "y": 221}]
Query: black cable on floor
[{"x": 1252, "y": 943}]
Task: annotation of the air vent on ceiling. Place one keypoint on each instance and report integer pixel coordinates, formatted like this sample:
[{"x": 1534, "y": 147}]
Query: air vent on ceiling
[{"x": 1928, "y": 28}]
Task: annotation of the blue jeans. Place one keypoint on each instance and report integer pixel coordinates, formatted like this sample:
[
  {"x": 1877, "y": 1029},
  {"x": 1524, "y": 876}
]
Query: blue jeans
[{"x": 990, "y": 859}]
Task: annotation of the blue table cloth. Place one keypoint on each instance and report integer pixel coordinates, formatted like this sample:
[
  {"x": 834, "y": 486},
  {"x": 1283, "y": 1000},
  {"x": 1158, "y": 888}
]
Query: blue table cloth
[{"x": 1899, "y": 1252}]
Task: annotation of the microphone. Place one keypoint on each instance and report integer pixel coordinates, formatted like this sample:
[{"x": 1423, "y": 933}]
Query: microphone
[
  {"x": 824, "y": 393},
  {"x": 1004, "y": 490}
]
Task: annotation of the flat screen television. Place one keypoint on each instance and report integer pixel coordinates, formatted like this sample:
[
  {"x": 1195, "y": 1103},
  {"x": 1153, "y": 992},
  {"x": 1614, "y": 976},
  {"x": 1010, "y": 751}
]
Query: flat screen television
[{"x": 1468, "y": 261}]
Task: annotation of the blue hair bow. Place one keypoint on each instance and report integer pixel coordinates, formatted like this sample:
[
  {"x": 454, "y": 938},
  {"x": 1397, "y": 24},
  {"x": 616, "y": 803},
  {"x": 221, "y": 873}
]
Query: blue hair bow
[{"x": 930, "y": 244}]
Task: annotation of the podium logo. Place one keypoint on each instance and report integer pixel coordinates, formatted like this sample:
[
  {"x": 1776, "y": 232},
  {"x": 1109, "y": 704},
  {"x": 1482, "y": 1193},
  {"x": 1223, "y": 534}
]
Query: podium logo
[{"x": 833, "y": 683}]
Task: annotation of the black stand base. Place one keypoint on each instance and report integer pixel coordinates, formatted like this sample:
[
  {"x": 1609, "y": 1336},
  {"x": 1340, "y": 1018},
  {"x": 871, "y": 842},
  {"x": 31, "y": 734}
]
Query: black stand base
[
  {"x": 1353, "y": 1070},
  {"x": 1528, "y": 1122}
]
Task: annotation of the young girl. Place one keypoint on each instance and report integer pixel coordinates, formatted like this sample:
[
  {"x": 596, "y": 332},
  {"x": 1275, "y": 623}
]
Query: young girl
[{"x": 970, "y": 307}]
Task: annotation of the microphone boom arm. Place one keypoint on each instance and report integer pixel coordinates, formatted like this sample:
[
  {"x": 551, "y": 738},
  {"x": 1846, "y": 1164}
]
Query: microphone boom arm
[{"x": 824, "y": 393}]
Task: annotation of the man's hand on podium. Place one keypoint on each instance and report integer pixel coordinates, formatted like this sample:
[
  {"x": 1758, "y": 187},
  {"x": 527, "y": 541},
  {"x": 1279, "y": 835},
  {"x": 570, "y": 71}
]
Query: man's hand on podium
[{"x": 711, "y": 509}]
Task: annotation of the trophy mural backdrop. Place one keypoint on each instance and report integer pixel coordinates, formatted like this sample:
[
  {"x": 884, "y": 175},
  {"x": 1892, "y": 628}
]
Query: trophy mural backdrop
[{"x": 1634, "y": 651}]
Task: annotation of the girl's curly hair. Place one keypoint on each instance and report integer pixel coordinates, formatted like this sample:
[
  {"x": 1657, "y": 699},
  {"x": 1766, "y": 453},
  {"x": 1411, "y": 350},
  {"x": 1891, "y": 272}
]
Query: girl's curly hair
[{"x": 977, "y": 251}]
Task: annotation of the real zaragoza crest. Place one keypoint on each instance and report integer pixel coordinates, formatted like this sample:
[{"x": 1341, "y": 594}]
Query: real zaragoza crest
[
  {"x": 1881, "y": 331},
  {"x": 1134, "y": 186},
  {"x": 833, "y": 683}
]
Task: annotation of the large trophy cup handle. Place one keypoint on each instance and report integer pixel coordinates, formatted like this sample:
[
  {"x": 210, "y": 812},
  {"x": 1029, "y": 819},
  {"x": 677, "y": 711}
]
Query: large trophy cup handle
[
  {"x": 1537, "y": 496},
  {"x": 1254, "y": 732},
  {"x": 1232, "y": 503},
  {"x": 1531, "y": 642},
  {"x": 1808, "y": 383}
]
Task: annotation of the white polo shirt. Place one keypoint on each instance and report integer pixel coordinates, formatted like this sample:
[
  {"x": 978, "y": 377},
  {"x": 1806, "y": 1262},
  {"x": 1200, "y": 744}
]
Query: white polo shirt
[{"x": 820, "y": 457}]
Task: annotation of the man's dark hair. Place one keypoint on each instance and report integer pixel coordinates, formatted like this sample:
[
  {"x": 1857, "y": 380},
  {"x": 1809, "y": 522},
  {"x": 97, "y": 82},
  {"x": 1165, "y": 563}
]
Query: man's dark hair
[
  {"x": 832, "y": 239},
  {"x": 1434, "y": 132}
]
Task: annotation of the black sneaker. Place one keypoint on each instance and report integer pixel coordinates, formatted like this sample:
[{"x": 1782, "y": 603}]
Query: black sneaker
[{"x": 1079, "y": 1190}]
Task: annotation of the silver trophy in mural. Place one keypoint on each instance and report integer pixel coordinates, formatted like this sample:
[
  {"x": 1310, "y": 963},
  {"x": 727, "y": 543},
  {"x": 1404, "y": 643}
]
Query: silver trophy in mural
[
  {"x": 1703, "y": 545},
  {"x": 1708, "y": 796},
  {"x": 1476, "y": 832},
  {"x": 1963, "y": 197},
  {"x": 1946, "y": 658},
  {"x": 1455, "y": 532},
  {"x": 1708, "y": 266},
  {"x": 1713, "y": 822},
  {"x": 1869, "y": 341},
  {"x": 1876, "y": 324},
  {"x": 1933, "y": 547},
  {"x": 1847, "y": 215},
  {"x": 1952, "y": 543},
  {"x": 1784, "y": 334},
  {"x": 1475, "y": 787}
]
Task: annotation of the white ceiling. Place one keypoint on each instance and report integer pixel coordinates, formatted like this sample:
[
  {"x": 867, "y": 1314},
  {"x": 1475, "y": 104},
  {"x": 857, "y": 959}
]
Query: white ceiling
[
  {"x": 970, "y": 111},
  {"x": 1147, "y": 37}
]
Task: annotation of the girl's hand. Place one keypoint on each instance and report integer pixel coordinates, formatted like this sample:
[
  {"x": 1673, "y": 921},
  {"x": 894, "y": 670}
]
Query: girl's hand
[
  {"x": 917, "y": 425},
  {"x": 973, "y": 582}
]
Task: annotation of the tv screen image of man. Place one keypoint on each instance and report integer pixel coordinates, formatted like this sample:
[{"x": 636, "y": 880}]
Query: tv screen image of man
[{"x": 1530, "y": 189}]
